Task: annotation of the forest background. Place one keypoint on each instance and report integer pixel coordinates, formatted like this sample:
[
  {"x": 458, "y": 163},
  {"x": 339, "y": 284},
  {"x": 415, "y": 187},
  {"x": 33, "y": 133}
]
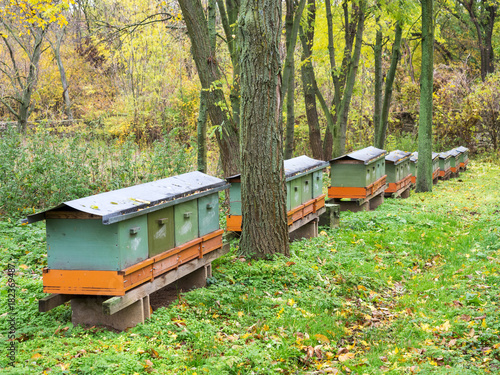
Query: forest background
[{"x": 106, "y": 93}]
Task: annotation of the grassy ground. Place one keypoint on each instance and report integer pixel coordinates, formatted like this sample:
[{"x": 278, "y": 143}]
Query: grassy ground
[{"x": 412, "y": 287}]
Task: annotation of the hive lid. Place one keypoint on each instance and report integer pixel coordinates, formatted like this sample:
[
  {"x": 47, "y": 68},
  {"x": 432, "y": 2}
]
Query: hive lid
[
  {"x": 462, "y": 149},
  {"x": 122, "y": 204},
  {"x": 366, "y": 155},
  {"x": 444, "y": 155},
  {"x": 454, "y": 152},
  {"x": 296, "y": 167},
  {"x": 397, "y": 156},
  {"x": 414, "y": 156}
]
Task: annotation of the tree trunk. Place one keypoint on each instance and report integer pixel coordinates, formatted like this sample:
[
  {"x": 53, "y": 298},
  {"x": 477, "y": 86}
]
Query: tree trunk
[
  {"x": 264, "y": 226},
  {"x": 379, "y": 79},
  {"x": 202, "y": 132},
  {"x": 56, "y": 48},
  {"x": 290, "y": 97},
  {"x": 309, "y": 84},
  {"x": 209, "y": 74},
  {"x": 389, "y": 82},
  {"x": 424, "y": 176},
  {"x": 229, "y": 15},
  {"x": 340, "y": 130}
]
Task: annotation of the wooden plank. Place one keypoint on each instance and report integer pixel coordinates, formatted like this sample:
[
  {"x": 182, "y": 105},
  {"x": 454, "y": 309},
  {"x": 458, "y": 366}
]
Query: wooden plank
[
  {"x": 70, "y": 215},
  {"x": 116, "y": 304},
  {"x": 306, "y": 219},
  {"x": 53, "y": 300}
]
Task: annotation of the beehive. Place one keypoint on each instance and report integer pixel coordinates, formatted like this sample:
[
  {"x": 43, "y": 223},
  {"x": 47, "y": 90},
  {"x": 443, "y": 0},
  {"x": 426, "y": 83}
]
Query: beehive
[
  {"x": 454, "y": 161},
  {"x": 444, "y": 165},
  {"x": 397, "y": 169},
  {"x": 464, "y": 157},
  {"x": 414, "y": 167},
  {"x": 358, "y": 174},
  {"x": 108, "y": 243},
  {"x": 304, "y": 187}
]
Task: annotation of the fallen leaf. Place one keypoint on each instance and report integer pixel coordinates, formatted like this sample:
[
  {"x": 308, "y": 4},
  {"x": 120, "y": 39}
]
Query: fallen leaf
[
  {"x": 322, "y": 338},
  {"x": 346, "y": 357}
]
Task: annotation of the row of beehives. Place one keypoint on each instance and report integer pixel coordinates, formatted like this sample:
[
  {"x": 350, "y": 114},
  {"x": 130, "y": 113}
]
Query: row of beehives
[{"x": 109, "y": 243}]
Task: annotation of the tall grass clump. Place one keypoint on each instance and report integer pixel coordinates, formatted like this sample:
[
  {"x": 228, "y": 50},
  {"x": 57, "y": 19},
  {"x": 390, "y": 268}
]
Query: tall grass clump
[{"x": 42, "y": 169}]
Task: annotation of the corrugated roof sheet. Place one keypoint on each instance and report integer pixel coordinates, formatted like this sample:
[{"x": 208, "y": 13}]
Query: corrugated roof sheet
[
  {"x": 444, "y": 155},
  {"x": 366, "y": 155},
  {"x": 454, "y": 152},
  {"x": 414, "y": 156},
  {"x": 296, "y": 166},
  {"x": 462, "y": 149},
  {"x": 139, "y": 197},
  {"x": 397, "y": 156}
]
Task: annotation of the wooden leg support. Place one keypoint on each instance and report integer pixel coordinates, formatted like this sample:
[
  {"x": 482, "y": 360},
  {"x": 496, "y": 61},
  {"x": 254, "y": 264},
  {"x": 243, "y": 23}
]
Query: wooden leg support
[
  {"x": 88, "y": 311},
  {"x": 308, "y": 230},
  {"x": 376, "y": 201}
]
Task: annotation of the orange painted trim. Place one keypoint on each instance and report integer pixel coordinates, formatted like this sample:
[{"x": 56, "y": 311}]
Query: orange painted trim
[
  {"x": 435, "y": 174},
  {"x": 106, "y": 283},
  {"x": 116, "y": 283},
  {"x": 319, "y": 202},
  {"x": 413, "y": 179},
  {"x": 233, "y": 223},
  {"x": 356, "y": 192},
  {"x": 443, "y": 173},
  {"x": 395, "y": 186},
  {"x": 454, "y": 169}
]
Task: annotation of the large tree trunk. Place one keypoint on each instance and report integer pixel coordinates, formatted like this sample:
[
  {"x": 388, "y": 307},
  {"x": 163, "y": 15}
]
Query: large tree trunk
[
  {"x": 209, "y": 74},
  {"x": 264, "y": 227},
  {"x": 424, "y": 176}
]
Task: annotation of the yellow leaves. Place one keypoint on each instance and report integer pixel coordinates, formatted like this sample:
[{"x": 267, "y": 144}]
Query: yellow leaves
[
  {"x": 322, "y": 338},
  {"x": 362, "y": 287},
  {"x": 36, "y": 356},
  {"x": 240, "y": 314},
  {"x": 23, "y": 266},
  {"x": 346, "y": 357}
]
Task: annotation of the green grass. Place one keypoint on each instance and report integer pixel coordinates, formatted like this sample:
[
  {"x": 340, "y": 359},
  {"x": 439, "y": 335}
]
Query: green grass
[{"x": 412, "y": 287}]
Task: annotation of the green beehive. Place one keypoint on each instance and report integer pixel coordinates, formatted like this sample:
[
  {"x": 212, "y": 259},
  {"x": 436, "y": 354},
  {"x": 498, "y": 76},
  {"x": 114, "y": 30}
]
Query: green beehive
[
  {"x": 444, "y": 162},
  {"x": 304, "y": 181},
  {"x": 117, "y": 229},
  {"x": 464, "y": 155},
  {"x": 454, "y": 160},
  {"x": 359, "y": 168},
  {"x": 435, "y": 162},
  {"x": 414, "y": 166},
  {"x": 397, "y": 166}
]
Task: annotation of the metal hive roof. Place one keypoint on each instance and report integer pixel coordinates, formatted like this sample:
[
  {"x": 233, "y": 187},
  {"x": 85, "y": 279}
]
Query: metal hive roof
[
  {"x": 414, "y": 156},
  {"x": 397, "y": 156},
  {"x": 444, "y": 155},
  {"x": 117, "y": 205},
  {"x": 462, "y": 149},
  {"x": 454, "y": 152},
  {"x": 366, "y": 155},
  {"x": 295, "y": 167}
]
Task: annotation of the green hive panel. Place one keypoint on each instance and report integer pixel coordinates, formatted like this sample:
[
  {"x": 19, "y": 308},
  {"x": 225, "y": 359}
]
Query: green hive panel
[
  {"x": 307, "y": 188},
  {"x": 208, "y": 213},
  {"x": 81, "y": 244},
  {"x": 288, "y": 196},
  {"x": 186, "y": 222},
  {"x": 161, "y": 231},
  {"x": 317, "y": 178},
  {"x": 390, "y": 171},
  {"x": 295, "y": 193},
  {"x": 350, "y": 175},
  {"x": 235, "y": 198}
]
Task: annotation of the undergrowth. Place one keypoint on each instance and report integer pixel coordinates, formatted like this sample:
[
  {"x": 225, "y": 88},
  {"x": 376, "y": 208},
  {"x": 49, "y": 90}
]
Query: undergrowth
[{"x": 412, "y": 287}]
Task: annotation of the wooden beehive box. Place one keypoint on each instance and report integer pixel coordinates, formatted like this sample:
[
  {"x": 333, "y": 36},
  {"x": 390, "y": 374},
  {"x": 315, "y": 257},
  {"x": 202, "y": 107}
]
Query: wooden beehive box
[
  {"x": 108, "y": 243},
  {"x": 463, "y": 158},
  {"x": 414, "y": 167},
  {"x": 304, "y": 186},
  {"x": 397, "y": 169},
  {"x": 358, "y": 174},
  {"x": 454, "y": 160},
  {"x": 444, "y": 165}
]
